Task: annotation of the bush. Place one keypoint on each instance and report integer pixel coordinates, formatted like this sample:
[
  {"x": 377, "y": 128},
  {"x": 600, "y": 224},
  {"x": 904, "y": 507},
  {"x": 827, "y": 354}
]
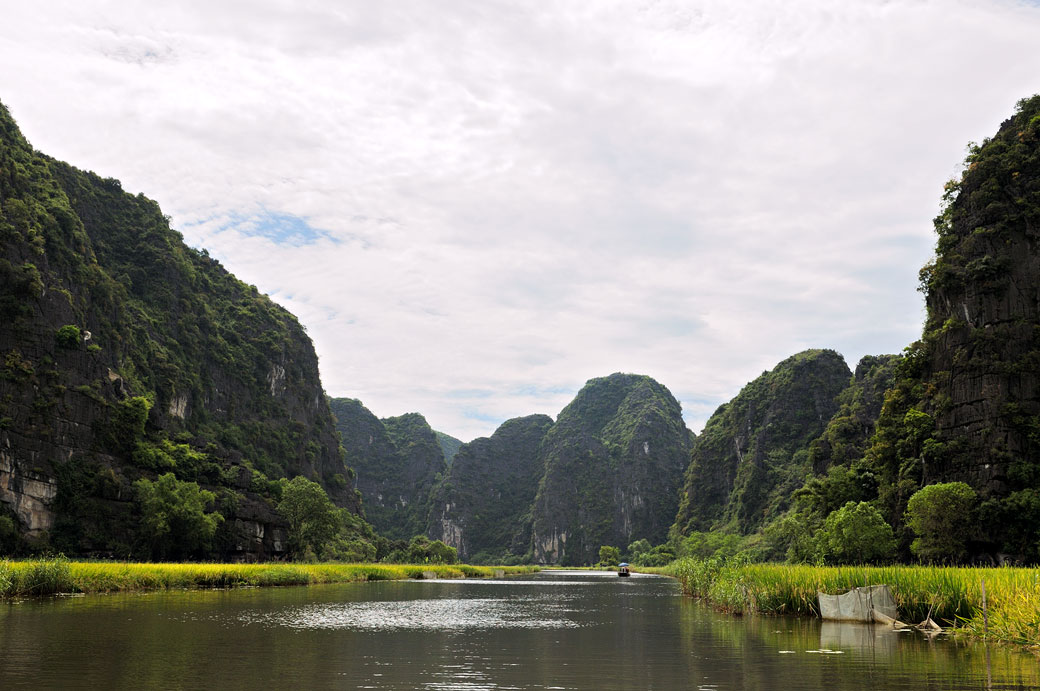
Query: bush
[
  {"x": 68, "y": 336},
  {"x": 711, "y": 544},
  {"x": 609, "y": 556},
  {"x": 941, "y": 516}
]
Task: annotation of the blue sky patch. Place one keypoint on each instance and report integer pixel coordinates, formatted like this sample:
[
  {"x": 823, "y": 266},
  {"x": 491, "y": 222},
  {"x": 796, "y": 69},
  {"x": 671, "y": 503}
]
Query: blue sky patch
[{"x": 284, "y": 229}]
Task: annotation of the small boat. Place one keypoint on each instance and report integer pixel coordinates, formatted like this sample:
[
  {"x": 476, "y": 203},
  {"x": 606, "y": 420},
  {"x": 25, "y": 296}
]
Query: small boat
[{"x": 623, "y": 571}]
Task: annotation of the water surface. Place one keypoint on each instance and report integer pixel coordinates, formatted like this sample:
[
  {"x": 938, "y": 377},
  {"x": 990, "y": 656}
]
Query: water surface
[{"x": 553, "y": 630}]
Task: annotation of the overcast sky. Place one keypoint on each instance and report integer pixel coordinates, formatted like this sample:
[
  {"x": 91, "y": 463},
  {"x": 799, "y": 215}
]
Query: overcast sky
[{"x": 476, "y": 206}]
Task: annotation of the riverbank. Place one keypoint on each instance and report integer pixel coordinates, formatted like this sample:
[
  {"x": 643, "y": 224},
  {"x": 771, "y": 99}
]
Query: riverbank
[
  {"x": 953, "y": 596},
  {"x": 50, "y": 576}
]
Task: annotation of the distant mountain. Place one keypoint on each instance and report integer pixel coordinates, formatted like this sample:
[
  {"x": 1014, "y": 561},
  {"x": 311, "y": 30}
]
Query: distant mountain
[
  {"x": 613, "y": 462},
  {"x": 754, "y": 451},
  {"x": 483, "y": 505},
  {"x": 125, "y": 353},
  {"x": 397, "y": 461},
  {"x": 449, "y": 445}
]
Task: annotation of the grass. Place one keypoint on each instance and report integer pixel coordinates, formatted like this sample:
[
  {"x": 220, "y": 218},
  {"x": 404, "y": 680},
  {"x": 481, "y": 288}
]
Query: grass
[
  {"x": 952, "y": 594},
  {"x": 59, "y": 575}
]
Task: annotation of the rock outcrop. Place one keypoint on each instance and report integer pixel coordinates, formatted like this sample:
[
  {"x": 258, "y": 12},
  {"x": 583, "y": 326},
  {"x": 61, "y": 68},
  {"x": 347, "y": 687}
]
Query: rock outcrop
[{"x": 848, "y": 433}]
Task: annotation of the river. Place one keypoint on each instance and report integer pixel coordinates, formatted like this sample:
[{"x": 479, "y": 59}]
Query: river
[{"x": 552, "y": 630}]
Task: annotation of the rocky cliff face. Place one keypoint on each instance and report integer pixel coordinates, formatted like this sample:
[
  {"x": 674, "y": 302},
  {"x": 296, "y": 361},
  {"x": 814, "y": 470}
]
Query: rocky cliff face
[
  {"x": 613, "y": 462},
  {"x": 753, "y": 452},
  {"x": 482, "y": 507},
  {"x": 980, "y": 354},
  {"x": 103, "y": 305},
  {"x": 848, "y": 433},
  {"x": 397, "y": 461}
]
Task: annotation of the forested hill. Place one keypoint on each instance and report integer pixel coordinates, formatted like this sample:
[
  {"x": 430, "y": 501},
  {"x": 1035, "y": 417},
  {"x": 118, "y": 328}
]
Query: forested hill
[
  {"x": 754, "y": 451},
  {"x": 932, "y": 455},
  {"x": 125, "y": 354},
  {"x": 613, "y": 463},
  {"x": 482, "y": 507}
]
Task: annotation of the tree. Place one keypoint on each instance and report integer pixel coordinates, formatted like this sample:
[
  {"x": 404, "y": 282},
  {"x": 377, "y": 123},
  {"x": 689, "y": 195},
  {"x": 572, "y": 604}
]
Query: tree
[
  {"x": 609, "y": 556},
  {"x": 941, "y": 516},
  {"x": 790, "y": 537},
  {"x": 313, "y": 519},
  {"x": 174, "y": 520},
  {"x": 422, "y": 551},
  {"x": 638, "y": 547},
  {"x": 856, "y": 534}
]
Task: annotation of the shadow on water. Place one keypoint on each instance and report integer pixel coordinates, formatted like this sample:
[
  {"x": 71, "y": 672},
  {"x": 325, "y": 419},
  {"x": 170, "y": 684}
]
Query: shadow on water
[{"x": 559, "y": 630}]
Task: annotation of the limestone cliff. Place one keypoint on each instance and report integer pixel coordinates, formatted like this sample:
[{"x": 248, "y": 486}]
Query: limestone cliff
[
  {"x": 753, "y": 452},
  {"x": 980, "y": 353},
  {"x": 848, "y": 433},
  {"x": 967, "y": 407},
  {"x": 397, "y": 461},
  {"x": 613, "y": 462},
  {"x": 107, "y": 314},
  {"x": 482, "y": 507}
]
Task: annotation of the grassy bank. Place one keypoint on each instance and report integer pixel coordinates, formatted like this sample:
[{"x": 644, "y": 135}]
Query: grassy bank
[
  {"x": 48, "y": 576},
  {"x": 953, "y": 595}
]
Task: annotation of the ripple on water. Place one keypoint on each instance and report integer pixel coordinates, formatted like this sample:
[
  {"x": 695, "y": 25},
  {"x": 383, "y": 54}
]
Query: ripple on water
[{"x": 441, "y": 614}]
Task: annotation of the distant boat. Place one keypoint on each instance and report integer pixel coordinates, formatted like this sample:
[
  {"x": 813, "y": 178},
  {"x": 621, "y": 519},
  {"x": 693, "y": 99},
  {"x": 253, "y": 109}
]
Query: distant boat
[{"x": 623, "y": 571}]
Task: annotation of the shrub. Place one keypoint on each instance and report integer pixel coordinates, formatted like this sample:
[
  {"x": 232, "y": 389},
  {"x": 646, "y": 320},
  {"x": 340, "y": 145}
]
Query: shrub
[{"x": 68, "y": 336}]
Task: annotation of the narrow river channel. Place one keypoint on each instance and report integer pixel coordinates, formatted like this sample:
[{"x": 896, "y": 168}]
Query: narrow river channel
[{"x": 553, "y": 630}]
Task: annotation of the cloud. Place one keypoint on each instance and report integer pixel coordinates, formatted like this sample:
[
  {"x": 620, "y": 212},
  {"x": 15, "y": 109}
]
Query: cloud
[{"x": 476, "y": 206}]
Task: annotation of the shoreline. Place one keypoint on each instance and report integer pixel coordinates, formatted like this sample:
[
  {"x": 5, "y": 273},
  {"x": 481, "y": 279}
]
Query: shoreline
[
  {"x": 951, "y": 596},
  {"x": 41, "y": 577}
]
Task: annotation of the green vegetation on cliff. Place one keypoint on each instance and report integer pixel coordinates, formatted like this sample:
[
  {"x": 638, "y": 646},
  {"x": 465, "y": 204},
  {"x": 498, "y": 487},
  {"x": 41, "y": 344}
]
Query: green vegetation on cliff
[
  {"x": 613, "y": 462},
  {"x": 482, "y": 507},
  {"x": 449, "y": 445},
  {"x": 754, "y": 451},
  {"x": 966, "y": 407},
  {"x": 397, "y": 460},
  {"x": 126, "y": 355}
]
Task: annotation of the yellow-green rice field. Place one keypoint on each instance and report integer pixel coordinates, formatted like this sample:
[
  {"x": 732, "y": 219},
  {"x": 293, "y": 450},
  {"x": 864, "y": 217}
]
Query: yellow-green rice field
[{"x": 48, "y": 576}]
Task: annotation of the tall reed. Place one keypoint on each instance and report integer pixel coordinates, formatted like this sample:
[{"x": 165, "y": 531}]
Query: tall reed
[{"x": 952, "y": 595}]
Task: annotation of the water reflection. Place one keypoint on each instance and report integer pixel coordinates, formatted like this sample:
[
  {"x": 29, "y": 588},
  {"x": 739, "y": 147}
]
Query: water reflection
[
  {"x": 551, "y": 631},
  {"x": 865, "y": 638},
  {"x": 439, "y": 614}
]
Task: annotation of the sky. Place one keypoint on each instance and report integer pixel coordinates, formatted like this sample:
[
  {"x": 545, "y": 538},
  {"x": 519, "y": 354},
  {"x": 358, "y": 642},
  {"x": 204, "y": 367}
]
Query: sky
[{"x": 474, "y": 206}]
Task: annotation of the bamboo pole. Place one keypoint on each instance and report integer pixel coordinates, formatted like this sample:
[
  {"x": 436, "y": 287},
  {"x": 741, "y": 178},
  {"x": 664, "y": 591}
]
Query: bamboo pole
[{"x": 985, "y": 612}]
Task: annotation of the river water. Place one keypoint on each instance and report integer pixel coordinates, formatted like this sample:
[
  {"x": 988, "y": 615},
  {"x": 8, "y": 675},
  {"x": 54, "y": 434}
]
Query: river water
[{"x": 553, "y": 630}]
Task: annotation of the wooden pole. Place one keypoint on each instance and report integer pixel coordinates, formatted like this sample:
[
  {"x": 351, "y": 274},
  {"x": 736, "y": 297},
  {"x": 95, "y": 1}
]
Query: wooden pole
[{"x": 985, "y": 612}]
